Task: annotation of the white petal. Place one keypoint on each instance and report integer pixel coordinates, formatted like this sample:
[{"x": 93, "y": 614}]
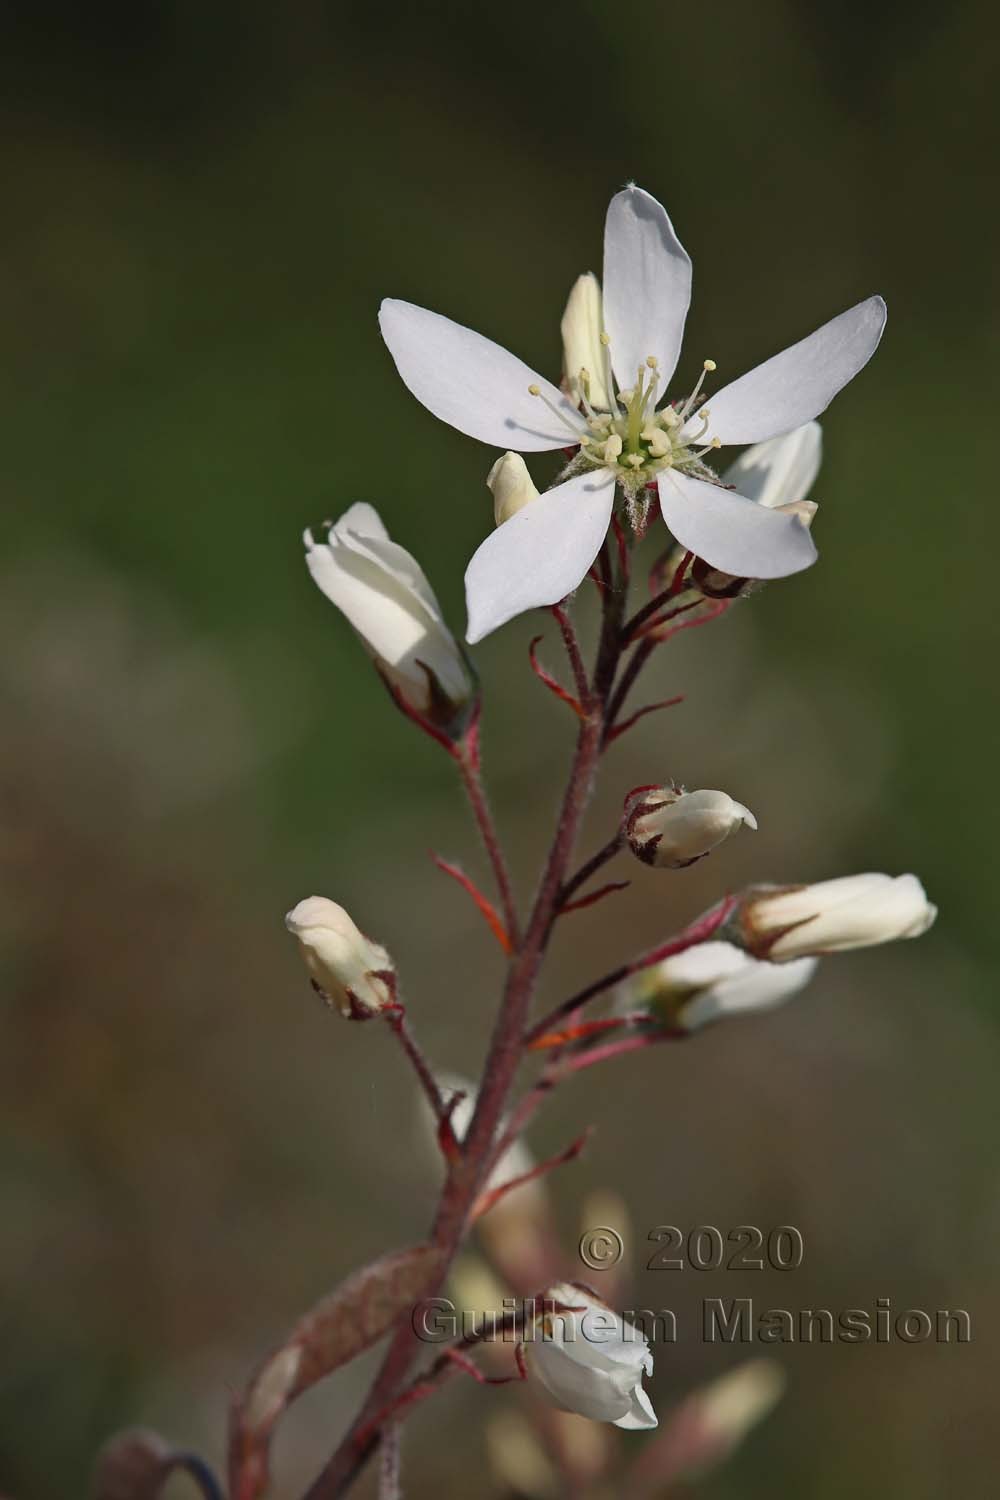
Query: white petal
[
  {"x": 575, "y": 1385},
  {"x": 647, "y": 286},
  {"x": 797, "y": 384},
  {"x": 473, "y": 384},
  {"x": 641, "y": 1414},
  {"x": 780, "y": 471},
  {"x": 541, "y": 554},
  {"x": 730, "y": 532},
  {"x": 363, "y": 520},
  {"x": 396, "y": 561}
]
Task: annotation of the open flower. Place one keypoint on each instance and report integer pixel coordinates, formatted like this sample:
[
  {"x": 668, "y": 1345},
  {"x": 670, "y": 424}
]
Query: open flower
[
  {"x": 625, "y": 439},
  {"x": 346, "y": 968},
  {"x": 590, "y": 1360},
  {"x": 711, "y": 981},
  {"x": 856, "y": 911},
  {"x": 384, "y": 594},
  {"x": 670, "y": 828}
]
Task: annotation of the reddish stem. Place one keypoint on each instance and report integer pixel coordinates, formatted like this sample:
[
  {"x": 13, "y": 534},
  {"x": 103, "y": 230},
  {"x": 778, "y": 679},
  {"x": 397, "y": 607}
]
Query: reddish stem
[
  {"x": 572, "y": 644},
  {"x": 549, "y": 681},
  {"x": 594, "y": 896},
  {"x": 617, "y": 730},
  {"x": 469, "y": 1172},
  {"x": 485, "y": 907},
  {"x": 699, "y": 931},
  {"x": 398, "y": 1024},
  {"x": 466, "y": 756},
  {"x": 487, "y": 1200}
]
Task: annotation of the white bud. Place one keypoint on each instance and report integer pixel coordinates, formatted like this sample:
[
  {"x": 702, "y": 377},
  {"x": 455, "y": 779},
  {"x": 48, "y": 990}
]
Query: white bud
[
  {"x": 781, "y": 471},
  {"x": 511, "y": 485},
  {"x": 804, "y": 509},
  {"x": 670, "y": 828},
  {"x": 591, "y": 1361},
  {"x": 581, "y": 327},
  {"x": 856, "y": 911},
  {"x": 711, "y": 981},
  {"x": 387, "y": 599},
  {"x": 349, "y": 970}
]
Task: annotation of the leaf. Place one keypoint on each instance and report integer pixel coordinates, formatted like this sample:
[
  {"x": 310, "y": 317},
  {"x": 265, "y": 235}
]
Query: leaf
[{"x": 340, "y": 1327}]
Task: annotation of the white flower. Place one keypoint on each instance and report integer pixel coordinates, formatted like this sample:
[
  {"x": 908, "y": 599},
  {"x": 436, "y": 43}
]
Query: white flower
[
  {"x": 347, "y": 968},
  {"x": 671, "y": 828},
  {"x": 856, "y": 911},
  {"x": 592, "y": 1361},
  {"x": 511, "y": 486},
  {"x": 625, "y": 439},
  {"x": 386, "y": 597},
  {"x": 714, "y": 980}
]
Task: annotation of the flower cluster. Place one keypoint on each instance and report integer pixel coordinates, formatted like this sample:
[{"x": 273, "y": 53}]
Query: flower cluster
[{"x": 638, "y": 460}]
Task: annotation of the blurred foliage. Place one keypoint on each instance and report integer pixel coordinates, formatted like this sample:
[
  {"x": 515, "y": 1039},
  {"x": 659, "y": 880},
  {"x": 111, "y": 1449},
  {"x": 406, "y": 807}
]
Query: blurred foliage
[{"x": 203, "y": 205}]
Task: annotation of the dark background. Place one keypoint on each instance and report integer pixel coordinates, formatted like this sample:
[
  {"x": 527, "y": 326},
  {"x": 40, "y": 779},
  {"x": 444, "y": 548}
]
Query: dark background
[{"x": 203, "y": 204}]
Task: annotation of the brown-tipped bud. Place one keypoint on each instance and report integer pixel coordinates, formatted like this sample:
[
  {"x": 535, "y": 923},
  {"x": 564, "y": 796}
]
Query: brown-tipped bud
[
  {"x": 131, "y": 1466},
  {"x": 670, "y": 828},
  {"x": 782, "y": 922},
  {"x": 348, "y": 969}
]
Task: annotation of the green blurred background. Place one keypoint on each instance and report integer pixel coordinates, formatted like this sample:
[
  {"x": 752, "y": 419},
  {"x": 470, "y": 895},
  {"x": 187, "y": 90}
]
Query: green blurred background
[{"x": 204, "y": 203}]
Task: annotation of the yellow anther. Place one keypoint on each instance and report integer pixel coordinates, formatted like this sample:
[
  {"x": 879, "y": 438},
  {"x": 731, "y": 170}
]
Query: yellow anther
[
  {"x": 612, "y": 448},
  {"x": 669, "y": 417},
  {"x": 659, "y": 441},
  {"x": 652, "y": 361},
  {"x": 534, "y": 390},
  {"x": 585, "y": 441},
  {"x": 710, "y": 364},
  {"x": 605, "y": 340},
  {"x": 635, "y": 460},
  {"x": 716, "y": 443}
]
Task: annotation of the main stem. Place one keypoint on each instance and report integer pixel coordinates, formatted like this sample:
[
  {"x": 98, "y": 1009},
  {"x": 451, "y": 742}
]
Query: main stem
[{"x": 467, "y": 1174}]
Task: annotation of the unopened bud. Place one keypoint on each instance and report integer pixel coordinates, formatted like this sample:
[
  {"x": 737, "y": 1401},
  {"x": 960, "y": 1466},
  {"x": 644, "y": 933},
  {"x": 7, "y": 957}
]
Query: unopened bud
[
  {"x": 856, "y": 911},
  {"x": 386, "y": 597},
  {"x": 584, "y": 357},
  {"x": 711, "y": 981},
  {"x": 671, "y": 828},
  {"x": 346, "y": 968},
  {"x": 804, "y": 509},
  {"x": 511, "y": 485}
]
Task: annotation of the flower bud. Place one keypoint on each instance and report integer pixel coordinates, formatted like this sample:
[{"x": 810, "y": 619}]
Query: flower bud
[
  {"x": 778, "y": 474},
  {"x": 511, "y": 486},
  {"x": 671, "y": 828},
  {"x": 346, "y": 968},
  {"x": 856, "y": 911},
  {"x": 711, "y": 981},
  {"x": 584, "y": 357},
  {"x": 387, "y": 599},
  {"x": 590, "y": 1361}
]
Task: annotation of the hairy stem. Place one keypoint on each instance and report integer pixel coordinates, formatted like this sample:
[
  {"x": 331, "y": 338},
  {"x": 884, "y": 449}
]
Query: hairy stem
[
  {"x": 468, "y": 1173},
  {"x": 466, "y": 756}
]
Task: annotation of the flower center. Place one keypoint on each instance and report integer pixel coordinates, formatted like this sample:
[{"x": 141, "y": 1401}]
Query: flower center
[{"x": 632, "y": 438}]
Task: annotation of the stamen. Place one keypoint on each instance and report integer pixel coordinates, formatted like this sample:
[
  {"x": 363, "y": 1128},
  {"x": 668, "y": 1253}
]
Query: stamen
[
  {"x": 612, "y": 449},
  {"x": 584, "y": 382},
  {"x": 536, "y": 390},
  {"x": 658, "y": 440},
  {"x": 715, "y": 443},
  {"x": 609, "y": 375},
  {"x": 669, "y": 417},
  {"x": 708, "y": 365}
]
